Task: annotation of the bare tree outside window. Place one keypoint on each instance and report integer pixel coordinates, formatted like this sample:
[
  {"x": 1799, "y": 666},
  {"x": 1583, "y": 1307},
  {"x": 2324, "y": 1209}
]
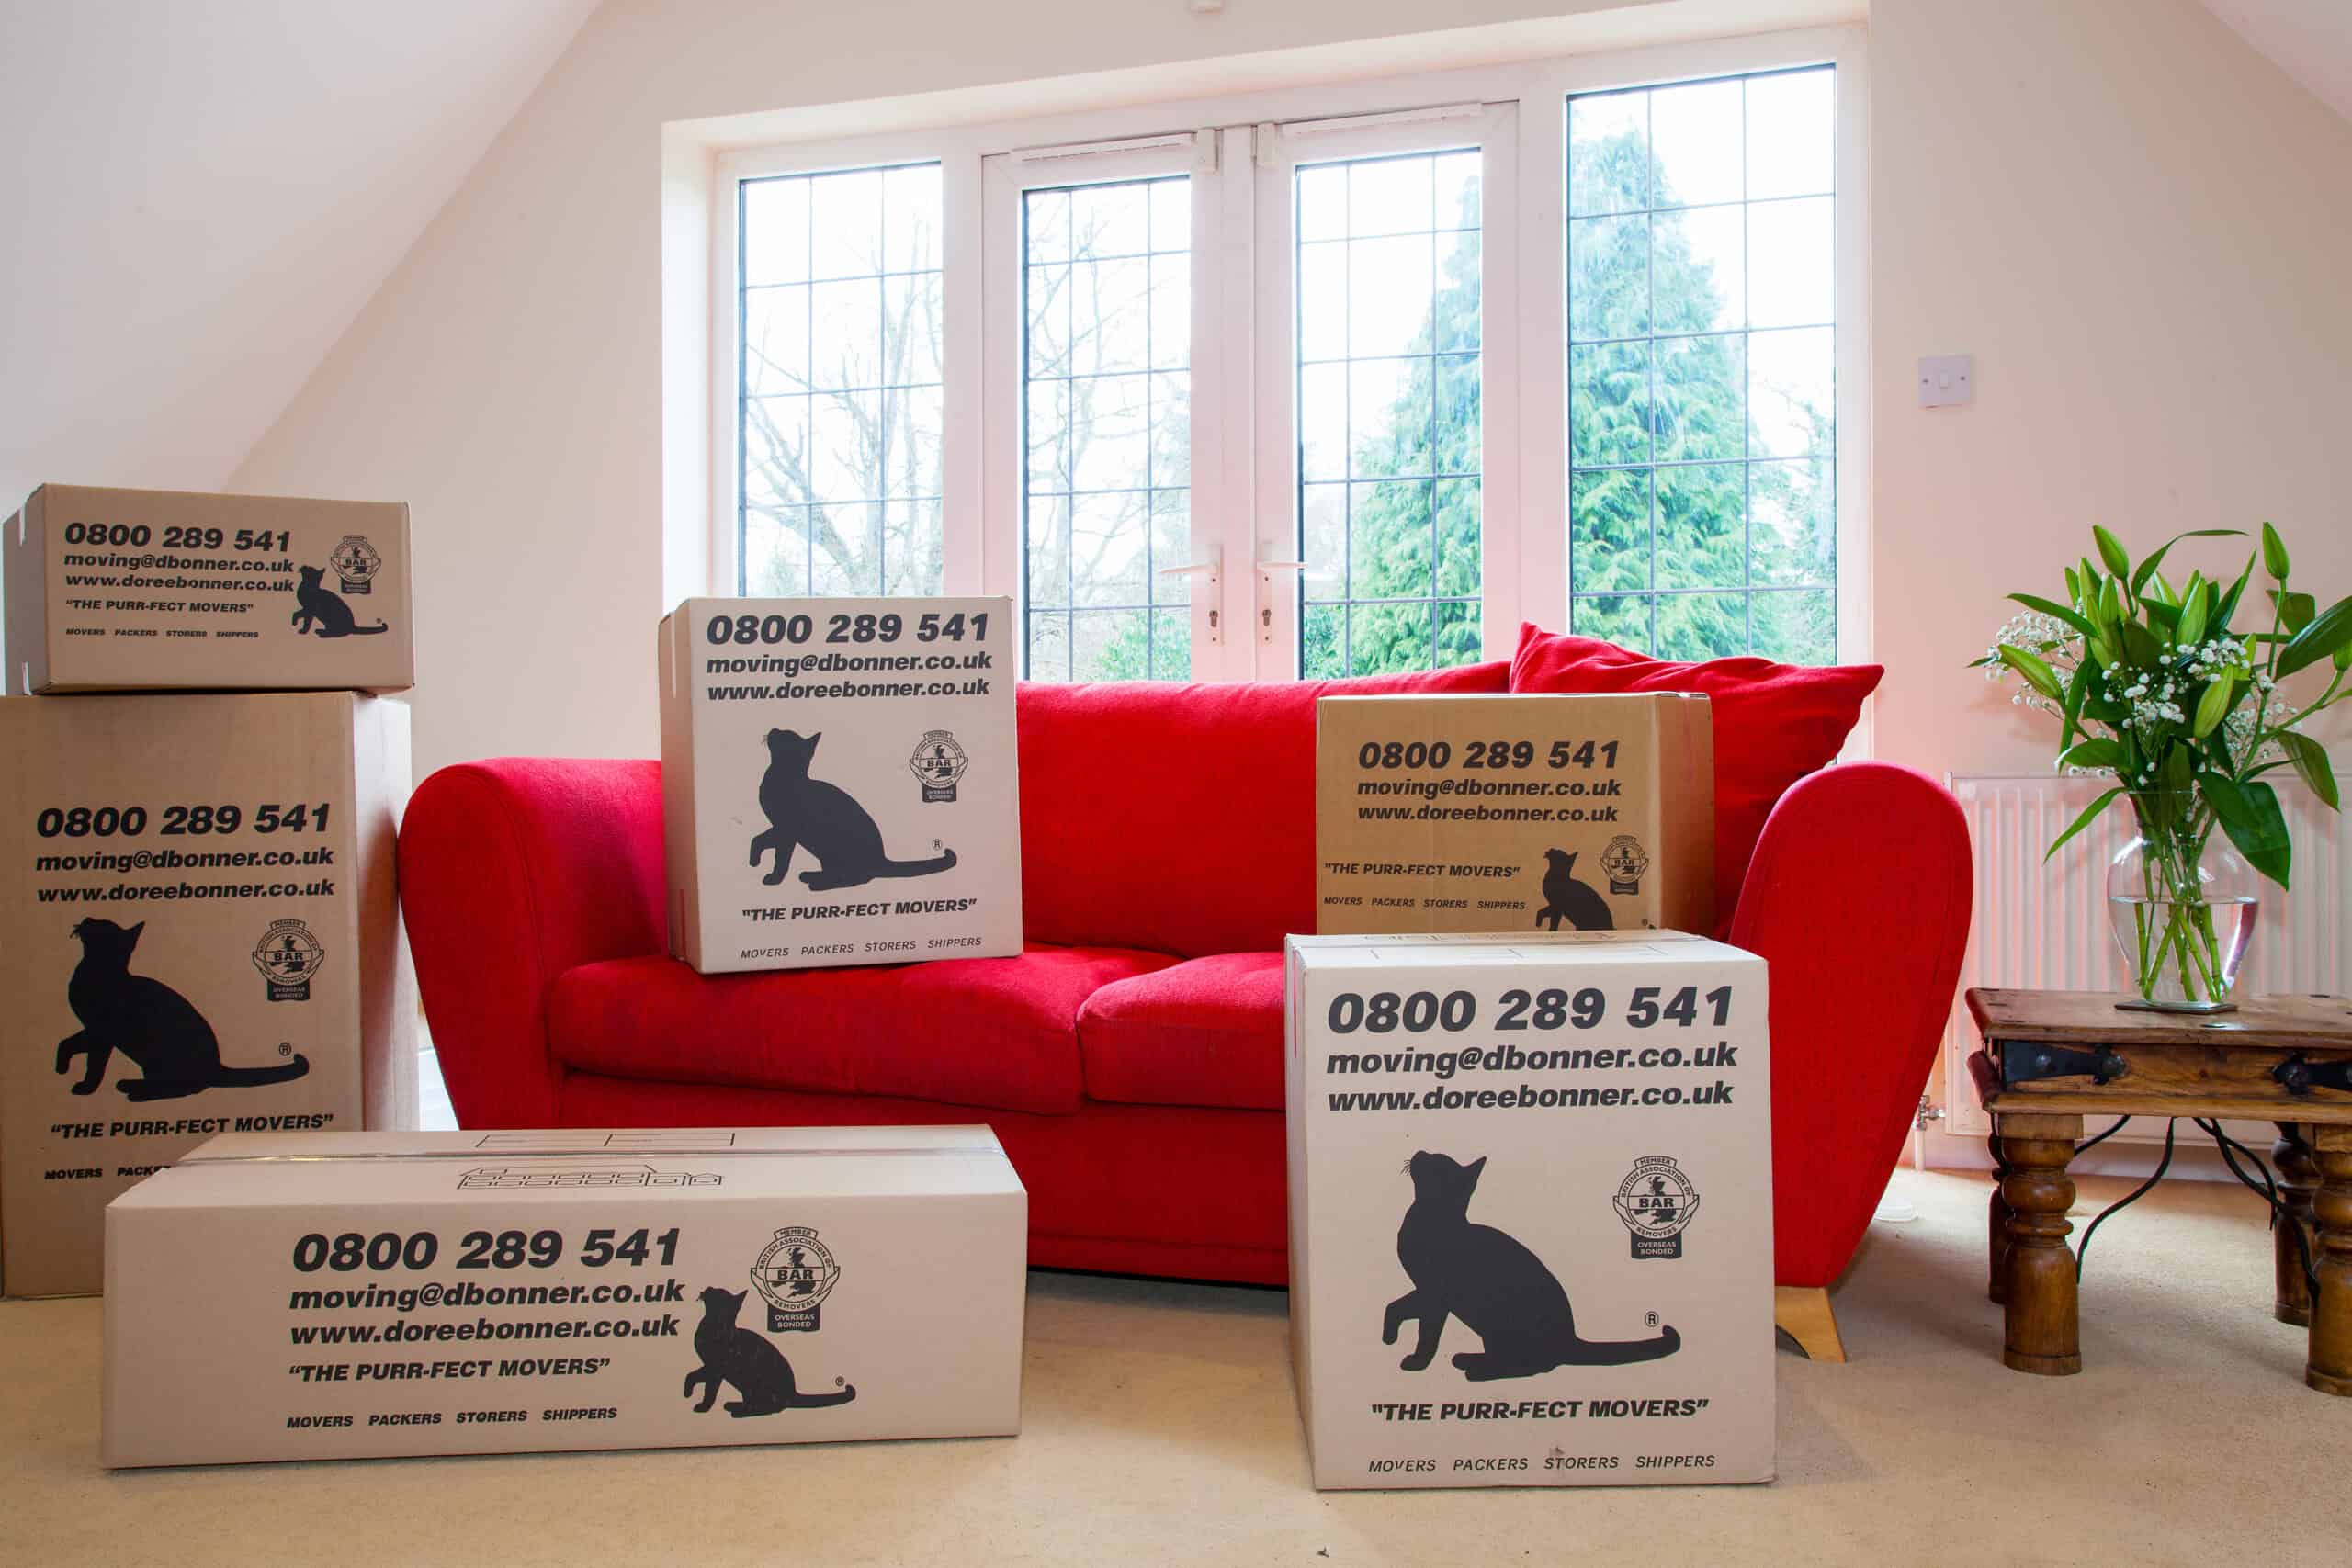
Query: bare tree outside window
[
  {"x": 1106, "y": 500},
  {"x": 842, "y": 401}
]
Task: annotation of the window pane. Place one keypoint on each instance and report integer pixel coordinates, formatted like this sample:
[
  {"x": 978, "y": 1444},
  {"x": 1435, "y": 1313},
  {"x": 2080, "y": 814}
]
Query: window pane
[
  {"x": 1701, "y": 308},
  {"x": 1106, "y": 404},
  {"x": 841, "y": 398},
  {"x": 1387, "y": 282}
]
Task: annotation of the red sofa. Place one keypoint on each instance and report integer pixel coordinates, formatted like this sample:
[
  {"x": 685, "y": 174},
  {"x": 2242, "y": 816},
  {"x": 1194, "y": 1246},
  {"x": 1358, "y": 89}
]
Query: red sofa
[{"x": 1131, "y": 1060}]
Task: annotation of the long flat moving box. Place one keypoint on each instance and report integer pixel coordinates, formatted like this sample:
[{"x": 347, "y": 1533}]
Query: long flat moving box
[{"x": 304, "y": 1297}]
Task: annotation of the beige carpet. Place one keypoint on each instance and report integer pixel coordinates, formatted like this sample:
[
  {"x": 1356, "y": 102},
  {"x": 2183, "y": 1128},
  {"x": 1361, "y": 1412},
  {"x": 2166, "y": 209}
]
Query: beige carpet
[{"x": 1161, "y": 1429}]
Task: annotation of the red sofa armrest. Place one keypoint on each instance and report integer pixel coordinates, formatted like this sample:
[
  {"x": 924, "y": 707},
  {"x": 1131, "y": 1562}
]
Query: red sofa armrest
[
  {"x": 511, "y": 872},
  {"x": 1859, "y": 898}
]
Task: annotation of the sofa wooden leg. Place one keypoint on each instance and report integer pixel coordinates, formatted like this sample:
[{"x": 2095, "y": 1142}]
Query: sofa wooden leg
[{"x": 1802, "y": 1313}]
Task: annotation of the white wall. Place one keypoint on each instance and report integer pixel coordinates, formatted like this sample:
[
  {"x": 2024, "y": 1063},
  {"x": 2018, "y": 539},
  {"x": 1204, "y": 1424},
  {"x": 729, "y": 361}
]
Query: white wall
[
  {"x": 2140, "y": 228},
  {"x": 2136, "y": 223}
]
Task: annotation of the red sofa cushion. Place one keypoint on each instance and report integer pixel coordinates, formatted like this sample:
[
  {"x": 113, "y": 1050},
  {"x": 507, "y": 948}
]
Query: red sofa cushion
[
  {"x": 998, "y": 1033},
  {"x": 1180, "y": 818},
  {"x": 1205, "y": 1033},
  {"x": 1774, "y": 723}
]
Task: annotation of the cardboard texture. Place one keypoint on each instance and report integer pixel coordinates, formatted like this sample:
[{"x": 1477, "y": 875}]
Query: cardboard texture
[
  {"x": 840, "y": 782},
  {"x": 144, "y": 590},
  {"x": 198, "y": 934},
  {"x": 310, "y": 1297},
  {"x": 1514, "y": 813},
  {"x": 1539, "y": 1171}
]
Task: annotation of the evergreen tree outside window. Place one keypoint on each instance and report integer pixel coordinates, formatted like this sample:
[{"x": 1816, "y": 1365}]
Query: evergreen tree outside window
[
  {"x": 1388, "y": 360},
  {"x": 1701, "y": 367}
]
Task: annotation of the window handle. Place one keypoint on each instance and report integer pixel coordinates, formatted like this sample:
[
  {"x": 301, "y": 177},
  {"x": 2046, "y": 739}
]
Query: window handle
[{"x": 1212, "y": 575}]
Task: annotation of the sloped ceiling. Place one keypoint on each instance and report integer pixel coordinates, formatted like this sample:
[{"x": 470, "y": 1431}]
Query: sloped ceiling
[
  {"x": 200, "y": 195},
  {"x": 2309, "y": 40}
]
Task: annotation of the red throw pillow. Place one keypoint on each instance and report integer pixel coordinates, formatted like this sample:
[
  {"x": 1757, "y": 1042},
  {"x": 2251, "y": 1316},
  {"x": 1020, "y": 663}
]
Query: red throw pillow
[{"x": 1774, "y": 723}]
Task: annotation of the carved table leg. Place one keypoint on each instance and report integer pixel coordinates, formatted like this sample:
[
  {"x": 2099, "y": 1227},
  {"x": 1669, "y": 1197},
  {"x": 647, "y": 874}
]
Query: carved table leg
[
  {"x": 2043, "y": 1329},
  {"x": 2297, "y": 1177},
  {"x": 2329, "y": 1368},
  {"x": 1996, "y": 1284}
]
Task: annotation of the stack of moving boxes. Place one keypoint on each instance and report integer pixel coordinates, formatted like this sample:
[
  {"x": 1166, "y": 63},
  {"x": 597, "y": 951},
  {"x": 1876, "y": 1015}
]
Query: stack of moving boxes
[
  {"x": 198, "y": 926},
  {"x": 1530, "y": 1148}
]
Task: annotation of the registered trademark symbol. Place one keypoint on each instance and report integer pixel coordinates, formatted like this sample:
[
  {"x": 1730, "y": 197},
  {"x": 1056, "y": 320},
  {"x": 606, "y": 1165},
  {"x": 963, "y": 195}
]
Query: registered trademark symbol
[
  {"x": 937, "y": 844},
  {"x": 1649, "y": 1320},
  {"x": 284, "y": 1049}
]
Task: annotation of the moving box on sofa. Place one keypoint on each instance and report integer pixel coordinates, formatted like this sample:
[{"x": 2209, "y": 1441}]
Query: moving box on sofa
[
  {"x": 144, "y": 590},
  {"x": 199, "y": 935},
  {"x": 840, "y": 782},
  {"x": 1514, "y": 813},
  {"x": 341, "y": 1297},
  {"x": 1531, "y": 1210}
]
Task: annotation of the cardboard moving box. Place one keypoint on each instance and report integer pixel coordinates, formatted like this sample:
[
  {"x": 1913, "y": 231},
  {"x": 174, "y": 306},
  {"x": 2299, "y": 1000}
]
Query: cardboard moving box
[
  {"x": 199, "y": 935},
  {"x": 840, "y": 782},
  {"x": 317, "y": 1297},
  {"x": 1514, "y": 813},
  {"x": 1531, "y": 1210},
  {"x": 144, "y": 590}
]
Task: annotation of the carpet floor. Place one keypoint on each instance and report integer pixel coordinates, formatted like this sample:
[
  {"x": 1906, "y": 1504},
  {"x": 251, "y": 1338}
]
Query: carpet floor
[{"x": 1160, "y": 1429}]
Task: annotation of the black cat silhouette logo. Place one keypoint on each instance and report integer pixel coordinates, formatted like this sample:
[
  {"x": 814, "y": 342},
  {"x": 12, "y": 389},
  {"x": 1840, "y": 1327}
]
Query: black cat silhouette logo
[
  {"x": 793, "y": 1275},
  {"x": 938, "y": 761},
  {"x": 287, "y": 955},
  {"x": 1500, "y": 1291},
  {"x": 1565, "y": 899},
  {"x": 827, "y": 820},
  {"x": 317, "y": 610},
  {"x": 355, "y": 563},
  {"x": 1656, "y": 1203},
  {"x": 1625, "y": 859},
  {"x": 728, "y": 1353},
  {"x": 148, "y": 1022}
]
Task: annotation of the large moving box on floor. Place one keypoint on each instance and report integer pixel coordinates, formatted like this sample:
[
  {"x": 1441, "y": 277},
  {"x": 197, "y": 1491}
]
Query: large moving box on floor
[
  {"x": 840, "y": 782},
  {"x": 199, "y": 935},
  {"x": 1515, "y": 813},
  {"x": 144, "y": 590},
  {"x": 1539, "y": 1170},
  {"x": 309, "y": 1297}
]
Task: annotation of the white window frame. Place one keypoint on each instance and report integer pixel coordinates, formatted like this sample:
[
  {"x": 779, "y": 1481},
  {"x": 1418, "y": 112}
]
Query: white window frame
[
  {"x": 1282, "y": 149},
  {"x": 1237, "y": 502}
]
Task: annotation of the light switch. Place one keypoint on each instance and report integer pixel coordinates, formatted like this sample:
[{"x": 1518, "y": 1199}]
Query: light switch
[{"x": 1945, "y": 380}]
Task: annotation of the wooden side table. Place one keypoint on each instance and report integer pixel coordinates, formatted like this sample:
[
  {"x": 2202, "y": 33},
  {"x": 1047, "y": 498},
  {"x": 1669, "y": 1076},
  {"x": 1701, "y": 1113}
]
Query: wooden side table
[{"x": 2051, "y": 1058}]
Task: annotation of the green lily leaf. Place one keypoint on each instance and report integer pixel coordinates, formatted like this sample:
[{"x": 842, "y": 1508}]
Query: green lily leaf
[
  {"x": 2163, "y": 613},
  {"x": 2273, "y": 553},
  {"x": 2074, "y": 586},
  {"x": 2057, "y": 611},
  {"x": 2098, "y": 752},
  {"x": 2090, "y": 815},
  {"x": 2295, "y": 610},
  {"x": 2326, "y": 633},
  {"x": 2161, "y": 591},
  {"x": 2111, "y": 551},
  {"x": 2229, "y": 604},
  {"x": 2311, "y": 766},
  {"x": 2111, "y": 604},
  {"x": 2250, "y": 814},
  {"x": 2038, "y": 675},
  {"x": 2147, "y": 568},
  {"x": 2070, "y": 717},
  {"x": 2196, "y": 600},
  {"x": 2211, "y": 706}
]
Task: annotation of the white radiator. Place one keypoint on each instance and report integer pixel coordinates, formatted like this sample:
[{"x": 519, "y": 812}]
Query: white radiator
[{"x": 2044, "y": 925}]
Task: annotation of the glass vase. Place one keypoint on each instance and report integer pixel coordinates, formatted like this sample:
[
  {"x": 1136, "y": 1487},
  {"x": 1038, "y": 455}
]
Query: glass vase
[{"x": 2182, "y": 902}]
